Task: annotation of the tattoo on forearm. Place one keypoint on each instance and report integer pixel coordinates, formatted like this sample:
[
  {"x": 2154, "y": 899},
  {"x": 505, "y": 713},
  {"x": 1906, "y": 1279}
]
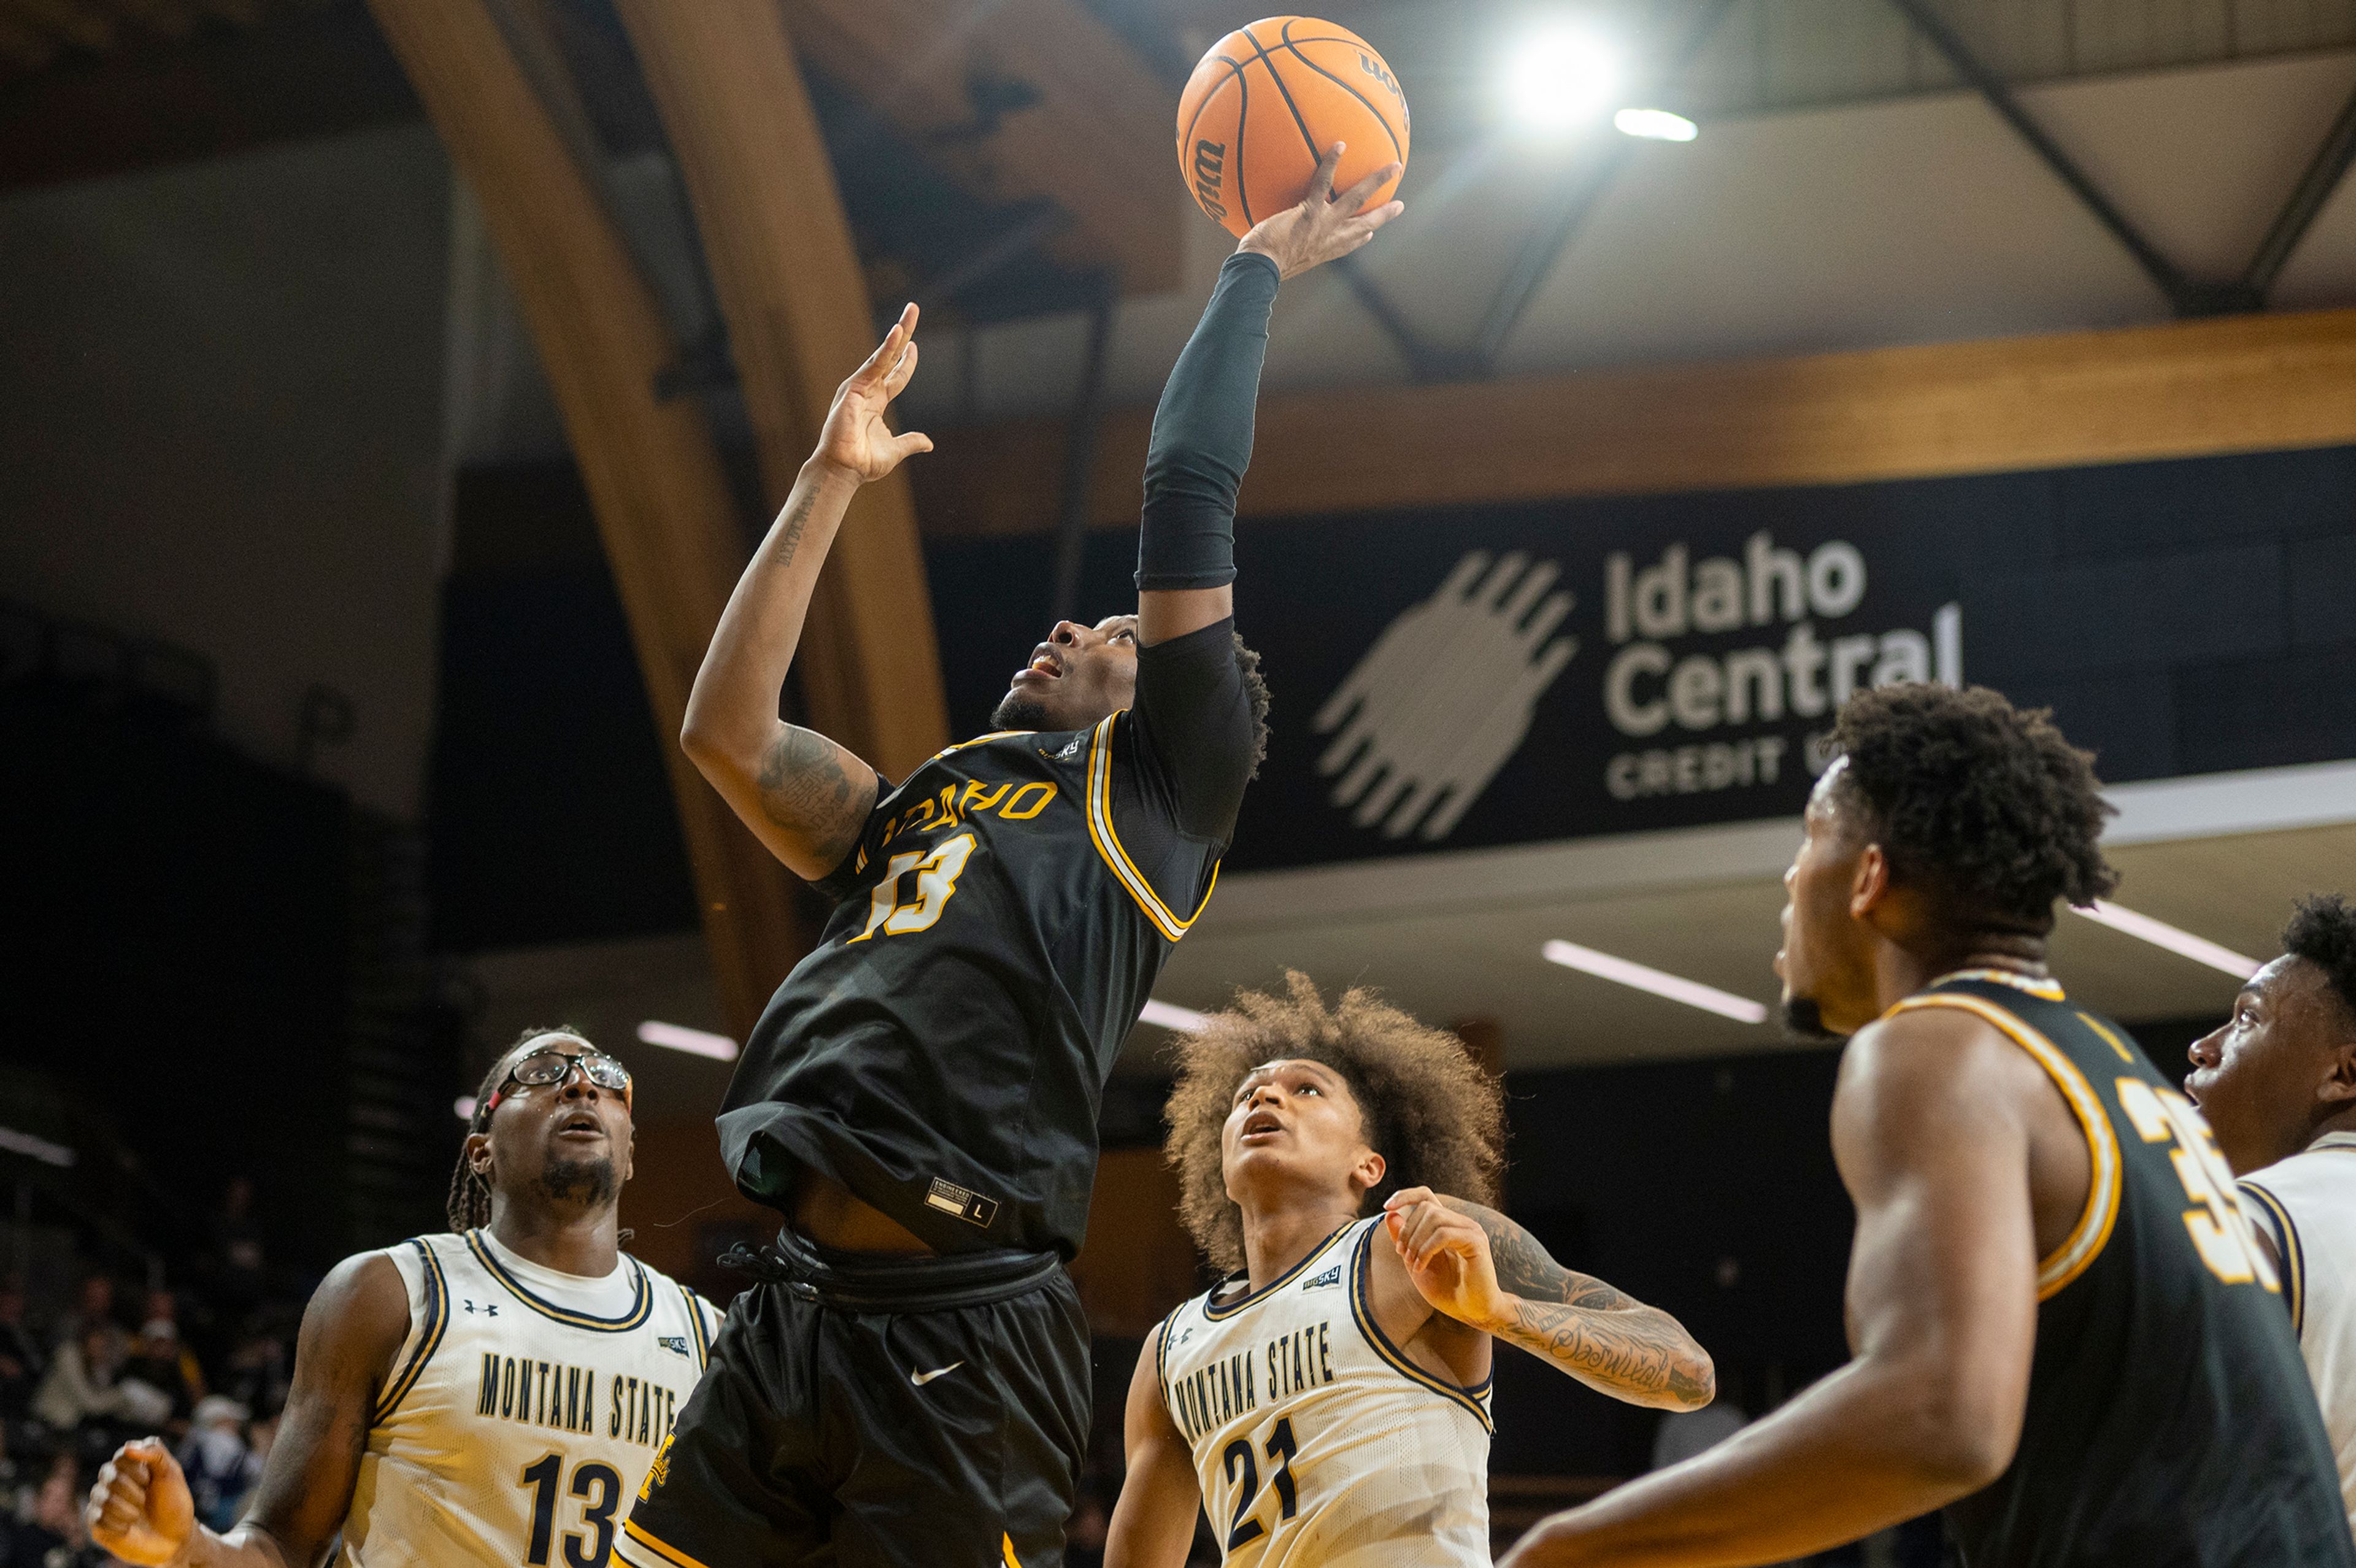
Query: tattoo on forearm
[
  {"x": 1585, "y": 1326},
  {"x": 805, "y": 788},
  {"x": 796, "y": 520}
]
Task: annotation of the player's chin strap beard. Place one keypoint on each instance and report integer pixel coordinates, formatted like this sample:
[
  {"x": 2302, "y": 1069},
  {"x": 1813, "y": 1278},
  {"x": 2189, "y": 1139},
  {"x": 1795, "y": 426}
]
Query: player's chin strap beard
[{"x": 1016, "y": 711}]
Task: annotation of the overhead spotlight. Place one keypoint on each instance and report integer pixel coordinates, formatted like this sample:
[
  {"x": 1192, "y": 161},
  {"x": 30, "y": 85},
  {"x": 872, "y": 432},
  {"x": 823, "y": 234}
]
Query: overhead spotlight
[
  {"x": 1643, "y": 977},
  {"x": 1162, "y": 1014},
  {"x": 465, "y": 1107},
  {"x": 694, "y": 1041},
  {"x": 1560, "y": 78},
  {"x": 1654, "y": 126},
  {"x": 2183, "y": 944}
]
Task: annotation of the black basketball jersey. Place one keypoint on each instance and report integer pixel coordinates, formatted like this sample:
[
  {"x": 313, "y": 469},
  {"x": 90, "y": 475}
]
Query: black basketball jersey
[
  {"x": 2170, "y": 1421},
  {"x": 942, "y": 1052}
]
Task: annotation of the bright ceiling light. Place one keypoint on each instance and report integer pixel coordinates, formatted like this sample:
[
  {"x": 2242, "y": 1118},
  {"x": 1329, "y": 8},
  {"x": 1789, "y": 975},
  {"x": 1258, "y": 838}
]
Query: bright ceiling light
[
  {"x": 1654, "y": 126},
  {"x": 465, "y": 1107},
  {"x": 1692, "y": 993},
  {"x": 1182, "y": 1020},
  {"x": 1560, "y": 78},
  {"x": 694, "y": 1041},
  {"x": 39, "y": 1148},
  {"x": 2159, "y": 934}
]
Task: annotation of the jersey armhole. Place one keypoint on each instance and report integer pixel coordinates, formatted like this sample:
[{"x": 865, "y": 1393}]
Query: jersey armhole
[
  {"x": 429, "y": 1317},
  {"x": 2087, "y": 1238},
  {"x": 1362, "y": 1310},
  {"x": 698, "y": 1327},
  {"x": 1109, "y": 846},
  {"x": 1162, "y": 1360},
  {"x": 2275, "y": 1215}
]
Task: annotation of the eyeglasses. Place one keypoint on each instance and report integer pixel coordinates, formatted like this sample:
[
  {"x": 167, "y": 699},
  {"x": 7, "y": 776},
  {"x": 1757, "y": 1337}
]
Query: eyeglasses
[{"x": 545, "y": 1067}]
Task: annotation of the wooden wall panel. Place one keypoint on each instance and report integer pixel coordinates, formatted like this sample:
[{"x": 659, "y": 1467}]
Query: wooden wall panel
[
  {"x": 669, "y": 526},
  {"x": 2247, "y": 383}
]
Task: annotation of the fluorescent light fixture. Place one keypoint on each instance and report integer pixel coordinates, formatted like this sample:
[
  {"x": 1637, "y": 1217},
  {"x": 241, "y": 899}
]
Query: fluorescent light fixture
[
  {"x": 1654, "y": 126},
  {"x": 2159, "y": 934},
  {"x": 1164, "y": 1016},
  {"x": 39, "y": 1148},
  {"x": 465, "y": 1107},
  {"x": 694, "y": 1041},
  {"x": 1560, "y": 78},
  {"x": 1692, "y": 993}
]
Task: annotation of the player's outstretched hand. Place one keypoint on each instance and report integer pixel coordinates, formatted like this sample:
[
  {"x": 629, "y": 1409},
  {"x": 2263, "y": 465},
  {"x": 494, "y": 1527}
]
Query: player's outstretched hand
[
  {"x": 1447, "y": 1257},
  {"x": 140, "y": 1508},
  {"x": 856, "y": 438},
  {"x": 1324, "y": 225}
]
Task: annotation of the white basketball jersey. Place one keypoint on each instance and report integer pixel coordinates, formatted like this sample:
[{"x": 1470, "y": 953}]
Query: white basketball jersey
[
  {"x": 523, "y": 1412},
  {"x": 2308, "y": 1202},
  {"x": 1317, "y": 1442}
]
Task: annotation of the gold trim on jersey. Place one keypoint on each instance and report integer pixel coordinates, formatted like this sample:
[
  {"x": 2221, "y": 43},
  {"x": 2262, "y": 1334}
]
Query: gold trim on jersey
[
  {"x": 642, "y": 1302},
  {"x": 2045, "y": 988},
  {"x": 1108, "y": 844},
  {"x": 2110, "y": 1037},
  {"x": 1006, "y": 1552},
  {"x": 668, "y": 1554},
  {"x": 437, "y": 1306},
  {"x": 2093, "y": 1233},
  {"x": 1364, "y": 1311},
  {"x": 702, "y": 1338},
  {"x": 1215, "y": 1313},
  {"x": 2294, "y": 1259}
]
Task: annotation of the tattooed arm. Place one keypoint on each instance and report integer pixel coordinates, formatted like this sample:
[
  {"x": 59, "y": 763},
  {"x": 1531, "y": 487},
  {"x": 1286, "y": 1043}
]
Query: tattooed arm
[
  {"x": 1482, "y": 1269},
  {"x": 802, "y": 794}
]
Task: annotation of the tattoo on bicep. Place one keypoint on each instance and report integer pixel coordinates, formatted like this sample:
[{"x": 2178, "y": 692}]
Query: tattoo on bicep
[{"x": 805, "y": 787}]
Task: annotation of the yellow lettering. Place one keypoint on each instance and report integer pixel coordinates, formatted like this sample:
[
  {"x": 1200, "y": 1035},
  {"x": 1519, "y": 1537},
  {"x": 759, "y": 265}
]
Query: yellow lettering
[
  {"x": 974, "y": 799},
  {"x": 1015, "y": 811}
]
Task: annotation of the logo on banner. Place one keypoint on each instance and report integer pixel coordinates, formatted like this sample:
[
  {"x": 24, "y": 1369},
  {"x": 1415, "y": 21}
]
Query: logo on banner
[{"x": 1443, "y": 698}]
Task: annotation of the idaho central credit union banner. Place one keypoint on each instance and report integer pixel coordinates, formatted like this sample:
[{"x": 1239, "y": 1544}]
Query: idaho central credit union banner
[{"x": 1457, "y": 677}]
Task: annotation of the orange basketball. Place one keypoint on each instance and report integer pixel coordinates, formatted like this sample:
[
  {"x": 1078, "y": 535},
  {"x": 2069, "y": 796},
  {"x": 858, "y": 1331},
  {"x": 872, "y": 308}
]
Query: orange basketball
[{"x": 1268, "y": 100}]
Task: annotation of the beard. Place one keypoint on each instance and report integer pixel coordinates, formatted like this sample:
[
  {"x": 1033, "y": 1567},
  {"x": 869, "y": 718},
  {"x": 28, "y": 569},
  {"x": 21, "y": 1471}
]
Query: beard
[
  {"x": 588, "y": 1182},
  {"x": 1016, "y": 711},
  {"x": 1803, "y": 1018}
]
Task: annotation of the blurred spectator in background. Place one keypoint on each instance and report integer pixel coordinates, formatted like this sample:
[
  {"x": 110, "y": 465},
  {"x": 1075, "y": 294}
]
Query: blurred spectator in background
[
  {"x": 49, "y": 1531},
  {"x": 93, "y": 1313},
  {"x": 260, "y": 1366},
  {"x": 21, "y": 1362},
  {"x": 162, "y": 1365},
  {"x": 221, "y": 1467},
  {"x": 81, "y": 1383}
]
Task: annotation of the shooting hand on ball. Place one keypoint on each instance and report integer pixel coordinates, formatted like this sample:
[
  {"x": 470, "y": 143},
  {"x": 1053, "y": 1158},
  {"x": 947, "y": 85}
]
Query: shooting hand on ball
[
  {"x": 1323, "y": 225},
  {"x": 140, "y": 1509}
]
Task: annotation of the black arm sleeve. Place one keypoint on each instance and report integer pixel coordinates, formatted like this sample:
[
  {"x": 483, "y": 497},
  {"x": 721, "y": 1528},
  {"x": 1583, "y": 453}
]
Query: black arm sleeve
[
  {"x": 1203, "y": 435},
  {"x": 1193, "y": 731}
]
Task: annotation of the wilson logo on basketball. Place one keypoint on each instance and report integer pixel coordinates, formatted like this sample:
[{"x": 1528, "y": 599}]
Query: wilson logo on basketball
[
  {"x": 1381, "y": 74},
  {"x": 1210, "y": 161}
]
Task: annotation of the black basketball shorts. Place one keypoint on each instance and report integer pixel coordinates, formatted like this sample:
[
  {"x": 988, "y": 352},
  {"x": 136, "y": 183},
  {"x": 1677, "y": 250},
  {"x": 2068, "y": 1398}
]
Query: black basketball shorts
[{"x": 864, "y": 1411}]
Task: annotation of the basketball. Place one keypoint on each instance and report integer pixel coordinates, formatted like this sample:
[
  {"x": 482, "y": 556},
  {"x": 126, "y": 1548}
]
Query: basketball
[{"x": 1268, "y": 100}]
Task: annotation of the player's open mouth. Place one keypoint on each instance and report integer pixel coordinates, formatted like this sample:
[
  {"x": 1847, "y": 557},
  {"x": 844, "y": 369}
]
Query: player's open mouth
[
  {"x": 1043, "y": 665},
  {"x": 1260, "y": 1125},
  {"x": 581, "y": 1124}
]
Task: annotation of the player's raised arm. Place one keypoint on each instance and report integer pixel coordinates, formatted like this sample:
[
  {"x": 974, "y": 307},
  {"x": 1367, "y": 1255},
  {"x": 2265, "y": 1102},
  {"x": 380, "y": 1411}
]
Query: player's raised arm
[
  {"x": 801, "y": 794},
  {"x": 1929, "y": 1132},
  {"x": 1486, "y": 1271},
  {"x": 1202, "y": 430},
  {"x": 1153, "y": 1522},
  {"x": 140, "y": 1508}
]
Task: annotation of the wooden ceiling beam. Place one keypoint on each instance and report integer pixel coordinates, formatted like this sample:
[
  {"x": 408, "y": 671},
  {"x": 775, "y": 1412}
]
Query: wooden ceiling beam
[
  {"x": 669, "y": 525},
  {"x": 1097, "y": 140},
  {"x": 730, "y": 91},
  {"x": 2246, "y": 383}
]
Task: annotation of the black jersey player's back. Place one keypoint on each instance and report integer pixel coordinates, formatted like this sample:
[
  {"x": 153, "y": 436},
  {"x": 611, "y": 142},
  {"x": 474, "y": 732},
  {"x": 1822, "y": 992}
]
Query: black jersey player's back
[{"x": 2170, "y": 1418}]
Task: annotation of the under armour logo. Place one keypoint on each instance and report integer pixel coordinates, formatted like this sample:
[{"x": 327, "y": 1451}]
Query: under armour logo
[
  {"x": 1445, "y": 695},
  {"x": 489, "y": 1308}
]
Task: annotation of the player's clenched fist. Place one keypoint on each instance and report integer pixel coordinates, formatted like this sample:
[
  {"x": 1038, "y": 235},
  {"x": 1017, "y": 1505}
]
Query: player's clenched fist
[
  {"x": 140, "y": 1508},
  {"x": 1447, "y": 1255}
]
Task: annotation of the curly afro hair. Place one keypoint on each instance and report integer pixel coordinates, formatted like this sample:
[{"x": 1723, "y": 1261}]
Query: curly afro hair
[
  {"x": 1434, "y": 1116},
  {"x": 1981, "y": 801},
  {"x": 1255, "y": 688},
  {"x": 2322, "y": 930}
]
